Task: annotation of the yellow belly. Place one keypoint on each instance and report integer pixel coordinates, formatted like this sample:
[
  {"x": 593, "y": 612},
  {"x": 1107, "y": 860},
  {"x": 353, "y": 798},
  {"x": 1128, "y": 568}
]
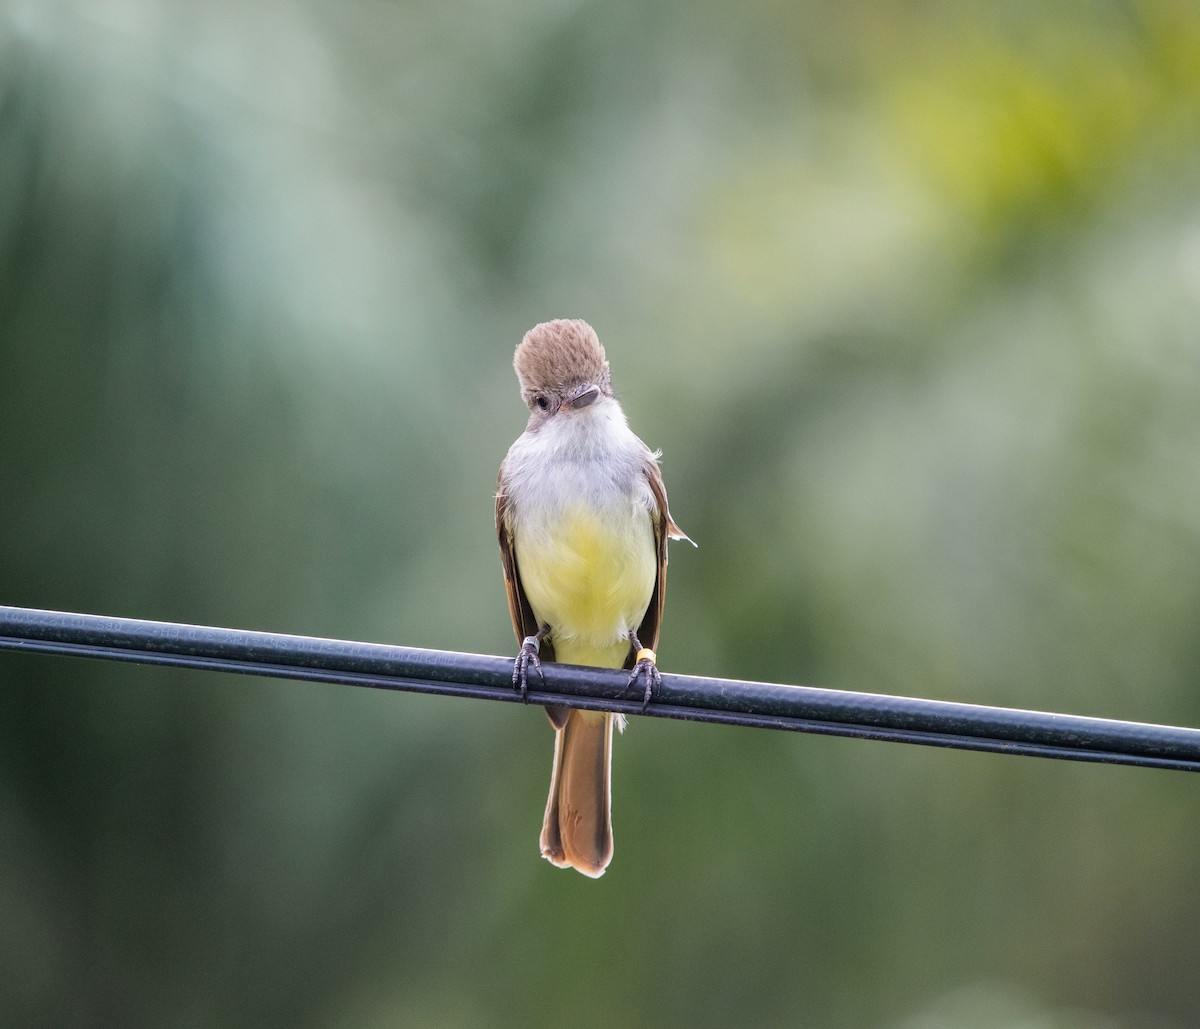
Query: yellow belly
[{"x": 589, "y": 577}]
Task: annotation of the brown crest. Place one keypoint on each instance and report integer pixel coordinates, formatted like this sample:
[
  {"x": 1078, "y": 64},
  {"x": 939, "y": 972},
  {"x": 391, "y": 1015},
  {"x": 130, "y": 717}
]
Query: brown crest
[{"x": 559, "y": 354}]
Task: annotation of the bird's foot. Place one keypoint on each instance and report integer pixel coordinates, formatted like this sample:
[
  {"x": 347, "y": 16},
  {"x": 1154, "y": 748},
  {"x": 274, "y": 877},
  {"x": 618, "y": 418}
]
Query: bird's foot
[
  {"x": 645, "y": 669},
  {"x": 527, "y": 657}
]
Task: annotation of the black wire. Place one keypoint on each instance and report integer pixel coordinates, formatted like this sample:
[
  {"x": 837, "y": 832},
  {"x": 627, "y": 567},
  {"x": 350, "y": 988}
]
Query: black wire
[{"x": 696, "y": 698}]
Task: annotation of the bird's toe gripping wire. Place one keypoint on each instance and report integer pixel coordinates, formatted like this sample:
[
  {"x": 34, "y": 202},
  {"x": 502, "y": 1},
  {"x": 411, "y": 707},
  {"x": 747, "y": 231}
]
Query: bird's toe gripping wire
[
  {"x": 527, "y": 657},
  {"x": 645, "y": 669}
]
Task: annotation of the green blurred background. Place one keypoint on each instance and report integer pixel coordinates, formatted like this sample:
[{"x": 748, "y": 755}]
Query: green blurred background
[{"x": 908, "y": 294}]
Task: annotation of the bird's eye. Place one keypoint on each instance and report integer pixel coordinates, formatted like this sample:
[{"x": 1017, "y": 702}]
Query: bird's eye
[{"x": 542, "y": 401}]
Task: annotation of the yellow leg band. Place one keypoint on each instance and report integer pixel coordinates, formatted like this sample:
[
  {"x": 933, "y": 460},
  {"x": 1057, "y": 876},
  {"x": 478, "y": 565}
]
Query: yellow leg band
[{"x": 646, "y": 654}]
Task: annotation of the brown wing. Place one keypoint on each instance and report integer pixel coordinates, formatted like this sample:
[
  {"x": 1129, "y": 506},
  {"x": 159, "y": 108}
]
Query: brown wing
[
  {"x": 524, "y": 623},
  {"x": 664, "y": 529}
]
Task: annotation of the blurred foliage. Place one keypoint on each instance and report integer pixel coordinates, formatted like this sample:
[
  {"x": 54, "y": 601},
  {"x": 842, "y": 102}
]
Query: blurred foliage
[{"x": 909, "y": 295}]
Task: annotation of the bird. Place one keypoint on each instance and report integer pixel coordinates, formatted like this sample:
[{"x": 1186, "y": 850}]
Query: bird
[{"x": 583, "y": 524}]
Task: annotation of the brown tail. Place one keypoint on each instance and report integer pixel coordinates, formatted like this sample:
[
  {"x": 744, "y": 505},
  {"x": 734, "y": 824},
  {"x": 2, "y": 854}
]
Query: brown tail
[{"x": 577, "y": 830}]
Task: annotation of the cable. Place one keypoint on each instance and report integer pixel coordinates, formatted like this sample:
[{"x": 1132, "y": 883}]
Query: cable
[{"x": 696, "y": 698}]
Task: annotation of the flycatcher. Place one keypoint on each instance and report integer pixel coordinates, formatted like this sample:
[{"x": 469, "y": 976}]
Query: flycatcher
[{"x": 582, "y": 517}]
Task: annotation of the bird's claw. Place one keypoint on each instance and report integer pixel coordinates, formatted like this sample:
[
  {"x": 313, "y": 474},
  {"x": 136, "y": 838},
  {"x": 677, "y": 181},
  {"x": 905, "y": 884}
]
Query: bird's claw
[
  {"x": 527, "y": 656},
  {"x": 648, "y": 670}
]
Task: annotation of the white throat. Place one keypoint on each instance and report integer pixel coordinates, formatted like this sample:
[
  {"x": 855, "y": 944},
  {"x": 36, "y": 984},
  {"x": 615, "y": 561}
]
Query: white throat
[{"x": 589, "y": 457}]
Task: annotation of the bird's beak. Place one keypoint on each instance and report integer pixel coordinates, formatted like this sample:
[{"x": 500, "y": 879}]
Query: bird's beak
[{"x": 582, "y": 396}]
